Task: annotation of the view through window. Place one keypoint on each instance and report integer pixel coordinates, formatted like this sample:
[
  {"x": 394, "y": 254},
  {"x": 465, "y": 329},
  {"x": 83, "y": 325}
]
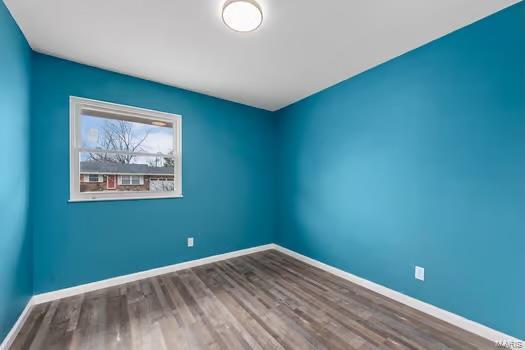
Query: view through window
[{"x": 123, "y": 152}]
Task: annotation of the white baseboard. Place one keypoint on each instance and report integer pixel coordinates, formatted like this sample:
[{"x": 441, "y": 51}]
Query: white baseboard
[
  {"x": 456, "y": 320},
  {"x": 115, "y": 281},
  {"x": 10, "y": 337}
]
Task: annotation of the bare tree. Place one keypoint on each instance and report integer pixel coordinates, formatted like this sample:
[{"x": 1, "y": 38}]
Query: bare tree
[
  {"x": 162, "y": 161},
  {"x": 169, "y": 161},
  {"x": 118, "y": 135},
  {"x": 157, "y": 161}
]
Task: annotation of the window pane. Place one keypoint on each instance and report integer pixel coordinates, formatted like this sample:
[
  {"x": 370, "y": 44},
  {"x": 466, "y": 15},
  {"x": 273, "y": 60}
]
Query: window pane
[
  {"x": 125, "y": 135},
  {"x": 93, "y": 178},
  {"x": 135, "y": 180},
  {"x": 127, "y": 176}
]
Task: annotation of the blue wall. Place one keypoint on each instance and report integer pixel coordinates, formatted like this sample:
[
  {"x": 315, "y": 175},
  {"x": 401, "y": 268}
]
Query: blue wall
[
  {"x": 420, "y": 161},
  {"x": 228, "y": 182},
  {"x": 15, "y": 240}
]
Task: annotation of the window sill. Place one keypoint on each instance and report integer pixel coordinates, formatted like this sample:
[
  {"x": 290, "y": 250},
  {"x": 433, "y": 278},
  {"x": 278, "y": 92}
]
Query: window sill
[{"x": 101, "y": 199}]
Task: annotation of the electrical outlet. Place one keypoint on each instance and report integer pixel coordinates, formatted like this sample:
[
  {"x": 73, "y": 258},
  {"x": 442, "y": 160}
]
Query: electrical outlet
[
  {"x": 420, "y": 273},
  {"x": 190, "y": 242}
]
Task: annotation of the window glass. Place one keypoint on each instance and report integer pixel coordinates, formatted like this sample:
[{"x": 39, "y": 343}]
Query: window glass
[
  {"x": 123, "y": 151},
  {"x": 137, "y": 175},
  {"x": 135, "y": 180},
  {"x": 125, "y": 135}
]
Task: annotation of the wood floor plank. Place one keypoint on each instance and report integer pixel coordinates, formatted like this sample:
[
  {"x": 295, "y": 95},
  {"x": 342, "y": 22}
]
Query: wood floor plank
[
  {"x": 250, "y": 322},
  {"x": 261, "y": 301},
  {"x": 296, "y": 303},
  {"x": 451, "y": 337},
  {"x": 43, "y": 330},
  {"x": 30, "y": 328},
  {"x": 399, "y": 311},
  {"x": 284, "y": 326},
  {"x": 318, "y": 336}
]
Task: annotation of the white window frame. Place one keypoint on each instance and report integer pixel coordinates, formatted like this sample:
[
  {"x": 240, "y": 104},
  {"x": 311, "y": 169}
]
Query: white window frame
[{"x": 76, "y": 106}]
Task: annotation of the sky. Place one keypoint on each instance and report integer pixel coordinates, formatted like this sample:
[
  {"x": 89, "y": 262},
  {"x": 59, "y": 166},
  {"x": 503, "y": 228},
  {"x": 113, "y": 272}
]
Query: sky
[{"x": 160, "y": 139}]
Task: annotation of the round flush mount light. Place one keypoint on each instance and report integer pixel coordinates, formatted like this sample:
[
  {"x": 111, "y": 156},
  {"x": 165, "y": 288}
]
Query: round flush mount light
[{"x": 242, "y": 15}]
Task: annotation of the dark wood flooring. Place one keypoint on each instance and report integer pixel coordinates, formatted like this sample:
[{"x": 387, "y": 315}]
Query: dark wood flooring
[{"x": 266, "y": 300}]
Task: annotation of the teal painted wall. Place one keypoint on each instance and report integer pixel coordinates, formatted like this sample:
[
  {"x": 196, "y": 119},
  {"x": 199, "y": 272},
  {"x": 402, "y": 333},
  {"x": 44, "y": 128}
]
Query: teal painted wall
[
  {"x": 228, "y": 182},
  {"x": 420, "y": 161},
  {"x": 15, "y": 238}
]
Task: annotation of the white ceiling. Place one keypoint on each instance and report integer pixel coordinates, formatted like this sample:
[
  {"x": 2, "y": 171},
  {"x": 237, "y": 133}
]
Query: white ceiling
[{"x": 303, "y": 46}]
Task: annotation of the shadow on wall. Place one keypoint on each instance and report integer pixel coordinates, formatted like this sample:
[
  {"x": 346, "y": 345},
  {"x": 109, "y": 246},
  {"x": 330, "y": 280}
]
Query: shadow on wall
[
  {"x": 15, "y": 235},
  {"x": 15, "y": 272}
]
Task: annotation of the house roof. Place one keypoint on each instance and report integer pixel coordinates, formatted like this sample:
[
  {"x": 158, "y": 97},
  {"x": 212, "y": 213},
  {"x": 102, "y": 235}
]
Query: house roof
[{"x": 99, "y": 167}]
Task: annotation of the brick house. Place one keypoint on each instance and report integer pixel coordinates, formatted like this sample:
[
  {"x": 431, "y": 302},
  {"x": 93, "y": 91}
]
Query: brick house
[{"x": 96, "y": 176}]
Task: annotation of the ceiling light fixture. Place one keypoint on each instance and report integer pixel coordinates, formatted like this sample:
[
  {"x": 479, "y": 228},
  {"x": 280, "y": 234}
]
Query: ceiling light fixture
[{"x": 242, "y": 15}]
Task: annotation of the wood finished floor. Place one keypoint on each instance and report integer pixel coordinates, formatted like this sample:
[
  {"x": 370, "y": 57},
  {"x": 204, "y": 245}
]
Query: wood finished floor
[{"x": 265, "y": 300}]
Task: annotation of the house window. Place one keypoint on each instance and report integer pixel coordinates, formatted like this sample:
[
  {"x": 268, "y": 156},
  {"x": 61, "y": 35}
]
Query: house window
[
  {"x": 131, "y": 180},
  {"x": 125, "y": 145},
  {"x": 92, "y": 178}
]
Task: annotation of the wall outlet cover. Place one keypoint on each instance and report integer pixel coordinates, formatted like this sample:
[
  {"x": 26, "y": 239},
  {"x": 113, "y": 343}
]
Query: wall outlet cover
[
  {"x": 420, "y": 273},
  {"x": 190, "y": 241}
]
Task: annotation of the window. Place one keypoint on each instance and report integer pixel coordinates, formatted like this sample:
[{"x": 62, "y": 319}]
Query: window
[
  {"x": 116, "y": 151},
  {"x": 92, "y": 178},
  {"x": 131, "y": 180}
]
